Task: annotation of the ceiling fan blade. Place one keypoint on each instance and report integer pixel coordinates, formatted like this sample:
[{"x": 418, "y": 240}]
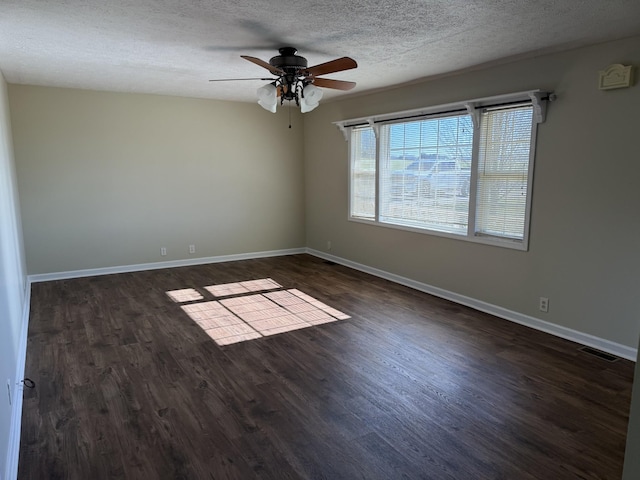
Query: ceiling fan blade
[
  {"x": 239, "y": 79},
  {"x": 263, "y": 64},
  {"x": 337, "y": 65},
  {"x": 336, "y": 84}
]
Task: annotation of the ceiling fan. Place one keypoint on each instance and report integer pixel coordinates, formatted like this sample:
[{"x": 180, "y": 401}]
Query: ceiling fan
[{"x": 295, "y": 81}]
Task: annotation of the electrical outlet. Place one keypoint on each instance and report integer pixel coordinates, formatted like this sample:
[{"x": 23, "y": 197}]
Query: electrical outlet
[
  {"x": 544, "y": 304},
  {"x": 9, "y": 390},
  {"x": 328, "y": 244},
  {"x": 192, "y": 249},
  {"x": 163, "y": 251}
]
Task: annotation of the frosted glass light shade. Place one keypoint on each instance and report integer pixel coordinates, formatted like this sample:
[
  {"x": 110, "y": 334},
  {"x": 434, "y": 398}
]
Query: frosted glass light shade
[
  {"x": 268, "y": 97},
  {"x": 311, "y": 96}
]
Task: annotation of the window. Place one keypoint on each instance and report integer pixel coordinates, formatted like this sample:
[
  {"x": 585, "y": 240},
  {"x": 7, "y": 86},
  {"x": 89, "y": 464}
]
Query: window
[
  {"x": 363, "y": 173},
  {"x": 462, "y": 170},
  {"x": 425, "y": 173}
]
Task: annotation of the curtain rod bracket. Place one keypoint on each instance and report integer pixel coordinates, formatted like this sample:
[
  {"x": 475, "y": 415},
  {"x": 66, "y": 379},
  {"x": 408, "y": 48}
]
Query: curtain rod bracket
[{"x": 539, "y": 103}]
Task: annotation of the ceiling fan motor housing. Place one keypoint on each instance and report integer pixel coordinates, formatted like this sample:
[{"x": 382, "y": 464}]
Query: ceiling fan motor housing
[
  {"x": 288, "y": 60},
  {"x": 292, "y": 65}
]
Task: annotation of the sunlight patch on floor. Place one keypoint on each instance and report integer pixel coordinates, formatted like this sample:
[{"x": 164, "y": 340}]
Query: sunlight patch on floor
[
  {"x": 249, "y": 315},
  {"x": 226, "y": 289},
  {"x": 185, "y": 295}
]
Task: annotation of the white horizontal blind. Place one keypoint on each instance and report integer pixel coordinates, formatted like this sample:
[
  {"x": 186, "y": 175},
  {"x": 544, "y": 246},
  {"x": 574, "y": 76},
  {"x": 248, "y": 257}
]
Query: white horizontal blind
[
  {"x": 425, "y": 168},
  {"x": 503, "y": 172},
  {"x": 363, "y": 173}
]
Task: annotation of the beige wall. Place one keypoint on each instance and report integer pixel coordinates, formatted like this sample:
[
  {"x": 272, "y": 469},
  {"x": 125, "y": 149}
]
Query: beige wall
[
  {"x": 106, "y": 179},
  {"x": 583, "y": 250},
  {"x": 12, "y": 286}
]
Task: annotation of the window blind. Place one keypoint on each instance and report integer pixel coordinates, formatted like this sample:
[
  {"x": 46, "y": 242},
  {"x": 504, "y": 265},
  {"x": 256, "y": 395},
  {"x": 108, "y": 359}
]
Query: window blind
[
  {"x": 425, "y": 167},
  {"x": 503, "y": 172},
  {"x": 363, "y": 173}
]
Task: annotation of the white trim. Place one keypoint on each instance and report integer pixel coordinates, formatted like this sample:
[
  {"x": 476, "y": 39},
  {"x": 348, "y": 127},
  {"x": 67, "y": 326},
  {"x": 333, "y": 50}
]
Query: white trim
[
  {"x": 614, "y": 348},
  {"x": 478, "y": 103},
  {"x": 13, "y": 447},
  {"x": 491, "y": 241},
  {"x": 92, "y": 272}
]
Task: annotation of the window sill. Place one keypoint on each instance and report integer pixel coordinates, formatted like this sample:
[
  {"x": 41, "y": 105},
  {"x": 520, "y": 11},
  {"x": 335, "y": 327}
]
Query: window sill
[{"x": 484, "y": 240}]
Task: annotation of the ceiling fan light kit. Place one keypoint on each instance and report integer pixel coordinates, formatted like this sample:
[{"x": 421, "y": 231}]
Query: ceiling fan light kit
[
  {"x": 310, "y": 99},
  {"x": 268, "y": 97},
  {"x": 296, "y": 82}
]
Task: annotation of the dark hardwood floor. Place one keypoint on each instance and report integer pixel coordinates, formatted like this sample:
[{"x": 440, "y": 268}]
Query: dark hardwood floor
[{"x": 411, "y": 386}]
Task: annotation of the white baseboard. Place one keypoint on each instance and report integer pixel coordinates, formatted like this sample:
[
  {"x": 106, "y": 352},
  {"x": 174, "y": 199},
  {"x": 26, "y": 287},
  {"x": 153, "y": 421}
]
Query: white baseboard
[
  {"x": 602, "y": 344},
  {"x": 92, "y": 272},
  {"x": 13, "y": 452},
  {"x": 614, "y": 348}
]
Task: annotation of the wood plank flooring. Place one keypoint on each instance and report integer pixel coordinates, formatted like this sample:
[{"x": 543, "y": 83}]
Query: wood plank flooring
[{"x": 410, "y": 387}]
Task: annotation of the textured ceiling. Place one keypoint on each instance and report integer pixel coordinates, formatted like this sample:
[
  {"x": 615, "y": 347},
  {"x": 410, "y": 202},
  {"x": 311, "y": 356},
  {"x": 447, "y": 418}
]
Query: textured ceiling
[{"x": 175, "y": 46}]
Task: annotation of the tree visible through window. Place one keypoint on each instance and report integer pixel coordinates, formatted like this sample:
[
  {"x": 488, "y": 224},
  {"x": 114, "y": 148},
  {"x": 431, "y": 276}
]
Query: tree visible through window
[
  {"x": 503, "y": 172},
  {"x": 425, "y": 169}
]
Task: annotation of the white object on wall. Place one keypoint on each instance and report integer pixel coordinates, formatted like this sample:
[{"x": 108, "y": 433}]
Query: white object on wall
[{"x": 615, "y": 76}]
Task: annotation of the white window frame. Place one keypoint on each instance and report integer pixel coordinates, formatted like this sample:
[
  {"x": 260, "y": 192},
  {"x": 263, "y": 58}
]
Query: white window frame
[
  {"x": 536, "y": 98},
  {"x": 349, "y": 138}
]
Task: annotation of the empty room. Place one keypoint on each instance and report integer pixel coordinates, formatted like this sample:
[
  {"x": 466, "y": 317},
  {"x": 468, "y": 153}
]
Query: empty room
[{"x": 362, "y": 240}]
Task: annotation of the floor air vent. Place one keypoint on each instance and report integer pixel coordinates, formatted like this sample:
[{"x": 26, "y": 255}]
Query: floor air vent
[{"x": 597, "y": 353}]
